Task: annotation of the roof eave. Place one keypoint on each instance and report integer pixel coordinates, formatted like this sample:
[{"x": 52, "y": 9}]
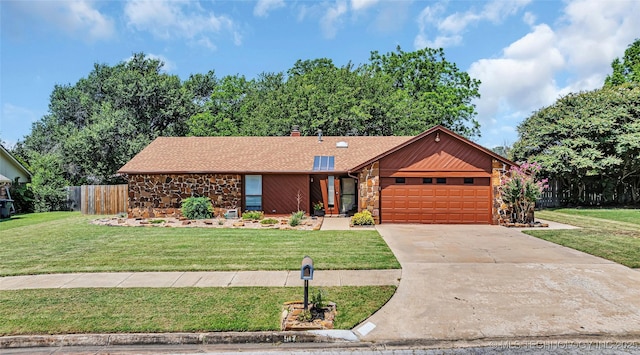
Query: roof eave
[{"x": 306, "y": 172}]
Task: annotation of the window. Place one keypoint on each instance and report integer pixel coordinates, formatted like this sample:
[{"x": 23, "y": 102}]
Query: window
[
  {"x": 441, "y": 180},
  {"x": 331, "y": 193},
  {"x": 399, "y": 180},
  {"x": 468, "y": 181},
  {"x": 427, "y": 180},
  {"x": 323, "y": 163},
  {"x": 253, "y": 192}
]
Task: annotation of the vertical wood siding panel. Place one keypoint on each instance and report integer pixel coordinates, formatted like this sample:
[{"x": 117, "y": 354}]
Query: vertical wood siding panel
[
  {"x": 449, "y": 154},
  {"x": 279, "y": 193}
]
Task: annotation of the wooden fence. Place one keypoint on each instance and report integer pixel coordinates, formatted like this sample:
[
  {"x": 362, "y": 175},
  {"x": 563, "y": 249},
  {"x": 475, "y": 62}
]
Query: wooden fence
[{"x": 98, "y": 199}]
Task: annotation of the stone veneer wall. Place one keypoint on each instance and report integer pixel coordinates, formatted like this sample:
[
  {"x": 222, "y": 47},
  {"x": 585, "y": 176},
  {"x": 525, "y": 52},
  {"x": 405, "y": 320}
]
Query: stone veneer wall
[
  {"x": 369, "y": 190},
  {"x": 499, "y": 209},
  {"x": 160, "y": 195}
]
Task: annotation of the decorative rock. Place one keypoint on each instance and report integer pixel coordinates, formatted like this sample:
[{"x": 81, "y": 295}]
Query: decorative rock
[{"x": 320, "y": 318}]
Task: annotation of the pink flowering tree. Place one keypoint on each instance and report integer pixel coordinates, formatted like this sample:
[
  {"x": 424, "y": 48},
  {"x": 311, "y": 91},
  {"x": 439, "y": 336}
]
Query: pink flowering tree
[{"x": 520, "y": 188}]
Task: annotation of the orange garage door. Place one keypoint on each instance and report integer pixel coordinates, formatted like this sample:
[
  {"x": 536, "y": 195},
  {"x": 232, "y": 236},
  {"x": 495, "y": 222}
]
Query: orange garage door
[{"x": 453, "y": 202}]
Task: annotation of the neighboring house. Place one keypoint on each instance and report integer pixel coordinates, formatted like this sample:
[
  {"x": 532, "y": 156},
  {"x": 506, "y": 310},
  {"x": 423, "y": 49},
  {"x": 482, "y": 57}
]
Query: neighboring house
[
  {"x": 10, "y": 171},
  {"x": 10, "y": 168},
  {"x": 434, "y": 177}
]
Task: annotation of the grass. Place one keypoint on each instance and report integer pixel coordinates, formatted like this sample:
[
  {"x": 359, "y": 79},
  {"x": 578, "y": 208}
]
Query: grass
[
  {"x": 110, "y": 310},
  {"x": 613, "y": 234},
  {"x": 617, "y": 214},
  {"x": 66, "y": 242}
]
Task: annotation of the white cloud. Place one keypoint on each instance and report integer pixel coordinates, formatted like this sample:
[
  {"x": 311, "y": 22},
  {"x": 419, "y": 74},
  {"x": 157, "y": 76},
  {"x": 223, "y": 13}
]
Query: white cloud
[
  {"x": 529, "y": 18},
  {"x": 451, "y": 27},
  {"x": 523, "y": 78},
  {"x": 76, "y": 17},
  {"x": 358, "y": 5},
  {"x": 551, "y": 61},
  {"x": 168, "y": 19},
  {"x": 595, "y": 32},
  {"x": 332, "y": 19},
  {"x": 263, "y": 7}
]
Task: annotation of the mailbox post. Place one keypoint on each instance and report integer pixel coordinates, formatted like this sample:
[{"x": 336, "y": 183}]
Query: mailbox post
[{"x": 306, "y": 274}]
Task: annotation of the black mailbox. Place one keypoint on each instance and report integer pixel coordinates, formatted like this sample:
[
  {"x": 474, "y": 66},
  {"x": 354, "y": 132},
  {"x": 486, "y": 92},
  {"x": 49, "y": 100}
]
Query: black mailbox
[{"x": 306, "y": 271}]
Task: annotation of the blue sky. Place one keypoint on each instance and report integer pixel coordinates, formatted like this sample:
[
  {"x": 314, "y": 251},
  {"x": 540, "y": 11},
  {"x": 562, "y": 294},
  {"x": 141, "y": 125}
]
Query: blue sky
[{"x": 526, "y": 53}]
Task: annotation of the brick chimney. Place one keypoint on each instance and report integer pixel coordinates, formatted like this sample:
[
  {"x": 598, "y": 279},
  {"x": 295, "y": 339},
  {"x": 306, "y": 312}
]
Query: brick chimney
[{"x": 295, "y": 131}]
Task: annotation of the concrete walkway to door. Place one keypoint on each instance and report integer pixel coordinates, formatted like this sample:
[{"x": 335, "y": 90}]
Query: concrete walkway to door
[{"x": 491, "y": 282}]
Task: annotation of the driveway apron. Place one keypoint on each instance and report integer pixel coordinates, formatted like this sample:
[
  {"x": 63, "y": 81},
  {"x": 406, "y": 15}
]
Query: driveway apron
[{"x": 475, "y": 282}]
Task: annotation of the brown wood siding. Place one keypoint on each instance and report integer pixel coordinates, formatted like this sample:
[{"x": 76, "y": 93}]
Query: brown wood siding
[
  {"x": 316, "y": 190},
  {"x": 279, "y": 193},
  {"x": 449, "y": 155}
]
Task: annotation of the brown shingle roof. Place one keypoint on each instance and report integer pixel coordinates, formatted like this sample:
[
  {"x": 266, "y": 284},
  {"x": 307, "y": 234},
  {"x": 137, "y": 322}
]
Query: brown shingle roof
[{"x": 254, "y": 154}]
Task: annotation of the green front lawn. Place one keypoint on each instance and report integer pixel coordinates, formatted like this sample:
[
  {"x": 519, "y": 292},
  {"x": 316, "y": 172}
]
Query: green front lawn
[
  {"x": 612, "y": 214},
  {"x": 613, "y": 234},
  {"x": 66, "y": 242},
  {"x": 67, "y": 311}
]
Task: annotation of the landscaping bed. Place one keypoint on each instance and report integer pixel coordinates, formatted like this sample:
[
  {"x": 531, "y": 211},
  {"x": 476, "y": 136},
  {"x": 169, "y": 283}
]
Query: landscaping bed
[{"x": 281, "y": 222}]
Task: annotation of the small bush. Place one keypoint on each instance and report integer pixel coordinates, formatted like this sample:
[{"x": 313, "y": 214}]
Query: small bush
[
  {"x": 269, "y": 221},
  {"x": 252, "y": 215},
  {"x": 156, "y": 221},
  {"x": 318, "y": 299},
  {"x": 299, "y": 214},
  {"x": 294, "y": 220},
  {"x": 197, "y": 208},
  {"x": 363, "y": 218}
]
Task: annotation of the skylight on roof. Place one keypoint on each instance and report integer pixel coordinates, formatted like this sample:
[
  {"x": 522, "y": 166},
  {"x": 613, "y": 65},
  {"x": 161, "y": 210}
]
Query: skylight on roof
[{"x": 323, "y": 163}]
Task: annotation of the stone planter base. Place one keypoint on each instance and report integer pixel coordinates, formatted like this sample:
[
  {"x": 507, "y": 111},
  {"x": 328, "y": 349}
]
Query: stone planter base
[
  {"x": 320, "y": 319},
  {"x": 525, "y": 225}
]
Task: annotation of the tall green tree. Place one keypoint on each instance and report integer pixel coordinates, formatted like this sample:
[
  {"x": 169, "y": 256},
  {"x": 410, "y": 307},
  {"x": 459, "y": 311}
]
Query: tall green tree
[
  {"x": 590, "y": 141},
  {"x": 434, "y": 91},
  {"x": 626, "y": 70},
  {"x": 399, "y": 93},
  {"x": 96, "y": 125}
]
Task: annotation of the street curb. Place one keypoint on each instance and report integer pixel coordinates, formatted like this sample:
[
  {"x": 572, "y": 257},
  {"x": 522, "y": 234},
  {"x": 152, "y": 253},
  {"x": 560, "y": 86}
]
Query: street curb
[{"x": 36, "y": 341}]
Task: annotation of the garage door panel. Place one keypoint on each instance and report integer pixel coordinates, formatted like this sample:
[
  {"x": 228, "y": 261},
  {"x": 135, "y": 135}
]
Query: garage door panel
[{"x": 433, "y": 203}]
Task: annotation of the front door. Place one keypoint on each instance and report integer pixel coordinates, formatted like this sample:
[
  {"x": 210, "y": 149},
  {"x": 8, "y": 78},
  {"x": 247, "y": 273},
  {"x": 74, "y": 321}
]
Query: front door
[
  {"x": 331, "y": 194},
  {"x": 348, "y": 197}
]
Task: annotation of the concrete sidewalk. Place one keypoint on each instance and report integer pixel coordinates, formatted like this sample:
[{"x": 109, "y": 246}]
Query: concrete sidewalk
[{"x": 202, "y": 279}]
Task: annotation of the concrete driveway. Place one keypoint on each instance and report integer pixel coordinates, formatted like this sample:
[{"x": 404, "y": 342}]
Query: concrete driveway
[{"x": 490, "y": 282}]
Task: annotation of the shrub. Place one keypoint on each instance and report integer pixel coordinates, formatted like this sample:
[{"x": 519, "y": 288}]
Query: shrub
[
  {"x": 363, "y": 218},
  {"x": 318, "y": 299},
  {"x": 22, "y": 196},
  {"x": 294, "y": 220},
  {"x": 520, "y": 188},
  {"x": 197, "y": 208},
  {"x": 252, "y": 215},
  {"x": 269, "y": 221}
]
